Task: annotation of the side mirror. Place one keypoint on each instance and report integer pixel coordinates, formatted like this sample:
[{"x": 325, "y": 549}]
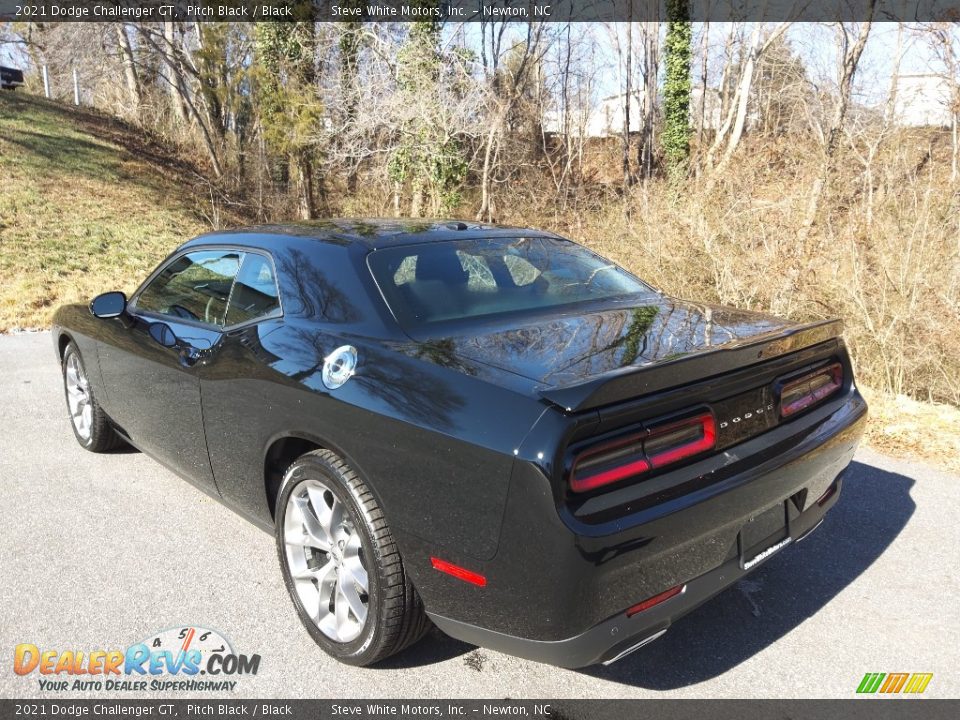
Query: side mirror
[
  {"x": 109, "y": 305},
  {"x": 163, "y": 334}
]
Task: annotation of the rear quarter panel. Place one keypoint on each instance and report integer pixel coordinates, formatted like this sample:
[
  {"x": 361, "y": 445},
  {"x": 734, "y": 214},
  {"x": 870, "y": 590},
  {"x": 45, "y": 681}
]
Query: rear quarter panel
[{"x": 432, "y": 437}]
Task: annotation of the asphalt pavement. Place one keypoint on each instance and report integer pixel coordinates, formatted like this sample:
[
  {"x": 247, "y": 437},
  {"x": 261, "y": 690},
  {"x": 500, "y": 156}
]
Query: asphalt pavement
[{"x": 101, "y": 551}]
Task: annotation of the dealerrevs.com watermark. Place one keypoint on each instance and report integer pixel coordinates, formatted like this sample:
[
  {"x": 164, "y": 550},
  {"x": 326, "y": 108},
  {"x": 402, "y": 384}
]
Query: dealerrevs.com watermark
[{"x": 186, "y": 659}]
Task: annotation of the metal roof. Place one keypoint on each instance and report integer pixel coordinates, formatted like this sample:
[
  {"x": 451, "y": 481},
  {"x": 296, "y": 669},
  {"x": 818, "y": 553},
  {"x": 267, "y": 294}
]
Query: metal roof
[{"x": 376, "y": 232}]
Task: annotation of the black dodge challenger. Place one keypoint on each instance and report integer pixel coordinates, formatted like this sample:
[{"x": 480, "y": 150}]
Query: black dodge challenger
[{"x": 492, "y": 428}]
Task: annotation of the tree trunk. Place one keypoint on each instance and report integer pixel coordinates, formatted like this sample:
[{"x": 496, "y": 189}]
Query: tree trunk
[
  {"x": 850, "y": 58},
  {"x": 741, "y": 98},
  {"x": 349, "y": 51},
  {"x": 891, "y": 108},
  {"x": 955, "y": 160},
  {"x": 675, "y": 137},
  {"x": 625, "y": 150},
  {"x": 129, "y": 67},
  {"x": 484, "y": 213},
  {"x": 704, "y": 51},
  {"x": 175, "y": 83},
  {"x": 302, "y": 170},
  {"x": 651, "y": 67},
  {"x": 416, "y": 200}
]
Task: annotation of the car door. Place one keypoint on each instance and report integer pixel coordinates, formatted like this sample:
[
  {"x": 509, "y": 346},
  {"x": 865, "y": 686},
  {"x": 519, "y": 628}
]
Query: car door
[
  {"x": 154, "y": 391},
  {"x": 237, "y": 382}
]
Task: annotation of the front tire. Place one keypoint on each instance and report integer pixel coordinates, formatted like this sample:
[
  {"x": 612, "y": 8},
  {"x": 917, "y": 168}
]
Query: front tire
[
  {"x": 341, "y": 565},
  {"x": 90, "y": 424}
]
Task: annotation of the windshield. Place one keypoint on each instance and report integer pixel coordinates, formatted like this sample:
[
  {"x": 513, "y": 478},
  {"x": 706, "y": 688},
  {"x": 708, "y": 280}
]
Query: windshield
[{"x": 445, "y": 281}]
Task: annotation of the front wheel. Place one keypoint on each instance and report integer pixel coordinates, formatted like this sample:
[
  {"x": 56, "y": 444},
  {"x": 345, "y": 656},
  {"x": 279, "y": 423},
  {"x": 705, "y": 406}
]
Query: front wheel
[
  {"x": 341, "y": 565},
  {"x": 90, "y": 424}
]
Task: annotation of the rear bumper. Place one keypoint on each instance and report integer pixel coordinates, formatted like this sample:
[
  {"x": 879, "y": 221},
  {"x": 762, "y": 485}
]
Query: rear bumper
[
  {"x": 558, "y": 589},
  {"x": 620, "y": 635}
]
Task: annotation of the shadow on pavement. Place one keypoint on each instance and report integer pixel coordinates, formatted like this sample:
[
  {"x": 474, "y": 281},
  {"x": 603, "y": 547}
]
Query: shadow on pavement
[
  {"x": 874, "y": 507},
  {"x": 435, "y": 647}
]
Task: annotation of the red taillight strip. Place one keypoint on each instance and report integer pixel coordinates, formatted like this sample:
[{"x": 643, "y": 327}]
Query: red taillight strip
[
  {"x": 636, "y": 466},
  {"x": 834, "y": 371},
  {"x": 458, "y": 572},
  {"x": 681, "y": 452},
  {"x": 642, "y": 460},
  {"x": 608, "y": 476},
  {"x": 655, "y": 600}
]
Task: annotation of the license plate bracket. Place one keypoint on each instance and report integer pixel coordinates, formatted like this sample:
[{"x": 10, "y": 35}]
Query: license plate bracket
[{"x": 763, "y": 535}]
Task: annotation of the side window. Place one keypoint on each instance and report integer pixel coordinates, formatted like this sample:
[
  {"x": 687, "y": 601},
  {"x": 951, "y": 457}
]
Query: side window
[
  {"x": 255, "y": 291},
  {"x": 193, "y": 287}
]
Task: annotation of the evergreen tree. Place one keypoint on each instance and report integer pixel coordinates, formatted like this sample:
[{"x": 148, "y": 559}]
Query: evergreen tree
[{"x": 676, "y": 89}]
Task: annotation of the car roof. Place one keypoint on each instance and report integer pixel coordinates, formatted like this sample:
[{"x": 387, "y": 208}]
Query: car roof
[{"x": 372, "y": 232}]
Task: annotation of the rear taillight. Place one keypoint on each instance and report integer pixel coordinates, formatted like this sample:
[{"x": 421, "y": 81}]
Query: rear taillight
[
  {"x": 806, "y": 391},
  {"x": 677, "y": 441},
  {"x": 638, "y": 454}
]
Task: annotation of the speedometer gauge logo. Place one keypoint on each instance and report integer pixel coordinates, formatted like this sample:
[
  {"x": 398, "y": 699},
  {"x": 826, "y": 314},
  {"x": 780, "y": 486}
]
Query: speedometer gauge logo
[{"x": 201, "y": 640}]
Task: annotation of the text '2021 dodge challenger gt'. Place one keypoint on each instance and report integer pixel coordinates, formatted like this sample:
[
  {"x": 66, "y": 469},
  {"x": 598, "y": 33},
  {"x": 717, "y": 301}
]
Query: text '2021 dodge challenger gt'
[{"x": 491, "y": 428}]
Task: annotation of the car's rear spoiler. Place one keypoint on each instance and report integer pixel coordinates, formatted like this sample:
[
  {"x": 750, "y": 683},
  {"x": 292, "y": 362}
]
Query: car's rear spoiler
[{"x": 636, "y": 381}]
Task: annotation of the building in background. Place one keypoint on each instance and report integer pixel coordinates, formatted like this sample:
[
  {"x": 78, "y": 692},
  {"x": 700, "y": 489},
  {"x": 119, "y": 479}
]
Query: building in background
[
  {"x": 924, "y": 100},
  {"x": 605, "y": 118}
]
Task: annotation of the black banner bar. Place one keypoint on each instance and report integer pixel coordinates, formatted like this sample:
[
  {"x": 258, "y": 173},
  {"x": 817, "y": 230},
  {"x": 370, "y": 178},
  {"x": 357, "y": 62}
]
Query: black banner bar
[
  {"x": 473, "y": 10},
  {"x": 861, "y": 709}
]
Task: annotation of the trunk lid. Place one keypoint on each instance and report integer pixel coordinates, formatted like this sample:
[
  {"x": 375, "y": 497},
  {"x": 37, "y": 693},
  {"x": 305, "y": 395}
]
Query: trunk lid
[{"x": 590, "y": 359}]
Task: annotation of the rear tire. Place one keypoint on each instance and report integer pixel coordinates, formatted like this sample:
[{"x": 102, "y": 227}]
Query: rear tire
[
  {"x": 341, "y": 565},
  {"x": 90, "y": 424}
]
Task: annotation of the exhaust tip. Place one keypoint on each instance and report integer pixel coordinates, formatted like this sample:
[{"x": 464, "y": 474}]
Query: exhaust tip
[{"x": 633, "y": 648}]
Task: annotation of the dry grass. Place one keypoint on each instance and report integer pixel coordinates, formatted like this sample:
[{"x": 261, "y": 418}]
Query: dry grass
[
  {"x": 89, "y": 204},
  {"x": 902, "y": 426}
]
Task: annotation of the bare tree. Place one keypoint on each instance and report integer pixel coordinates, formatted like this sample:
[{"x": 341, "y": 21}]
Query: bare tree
[
  {"x": 867, "y": 134},
  {"x": 851, "y": 40},
  {"x": 731, "y": 130},
  {"x": 944, "y": 39},
  {"x": 174, "y": 53},
  {"x": 503, "y": 92},
  {"x": 649, "y": 70},
  {"x": 129, "y": 66},
  {"x": 175, "y": 83},
  {"x": 627, "y": 102}
]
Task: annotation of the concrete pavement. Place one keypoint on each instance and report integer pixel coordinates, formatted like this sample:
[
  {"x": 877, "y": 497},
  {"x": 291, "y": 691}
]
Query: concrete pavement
[{"x": 100, "y": 551}]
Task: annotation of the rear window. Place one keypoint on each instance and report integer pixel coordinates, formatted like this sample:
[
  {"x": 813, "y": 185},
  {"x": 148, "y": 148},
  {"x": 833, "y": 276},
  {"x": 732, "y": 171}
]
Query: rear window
[{"x": 448, "y": 281}]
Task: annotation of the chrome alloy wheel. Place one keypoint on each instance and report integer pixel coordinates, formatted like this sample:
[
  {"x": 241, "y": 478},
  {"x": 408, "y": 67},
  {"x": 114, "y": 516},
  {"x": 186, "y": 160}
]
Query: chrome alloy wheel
[
  {"x": 79, "y": 400},
  {"x": 326, "y": 560}
]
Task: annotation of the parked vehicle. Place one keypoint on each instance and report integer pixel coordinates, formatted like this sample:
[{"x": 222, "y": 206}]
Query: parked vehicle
[
  {"x": 490, "y": 428},
  {"x": 10, "y": 78}
]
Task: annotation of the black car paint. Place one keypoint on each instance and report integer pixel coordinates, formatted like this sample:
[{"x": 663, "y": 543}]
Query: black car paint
[{"x": 465, "y": 435}]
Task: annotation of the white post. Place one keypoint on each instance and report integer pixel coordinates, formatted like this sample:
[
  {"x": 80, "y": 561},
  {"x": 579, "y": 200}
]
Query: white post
[
  {"x": 46, "y": 83},
  {"x": 76, "y": 88}
]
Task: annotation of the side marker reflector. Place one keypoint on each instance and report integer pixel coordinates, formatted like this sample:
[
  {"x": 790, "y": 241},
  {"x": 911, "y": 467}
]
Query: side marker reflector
[
  {"x": 831, "y": 491},
  {"x": 656, "y": 600},
  {"x": 458, "y": 572}
]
